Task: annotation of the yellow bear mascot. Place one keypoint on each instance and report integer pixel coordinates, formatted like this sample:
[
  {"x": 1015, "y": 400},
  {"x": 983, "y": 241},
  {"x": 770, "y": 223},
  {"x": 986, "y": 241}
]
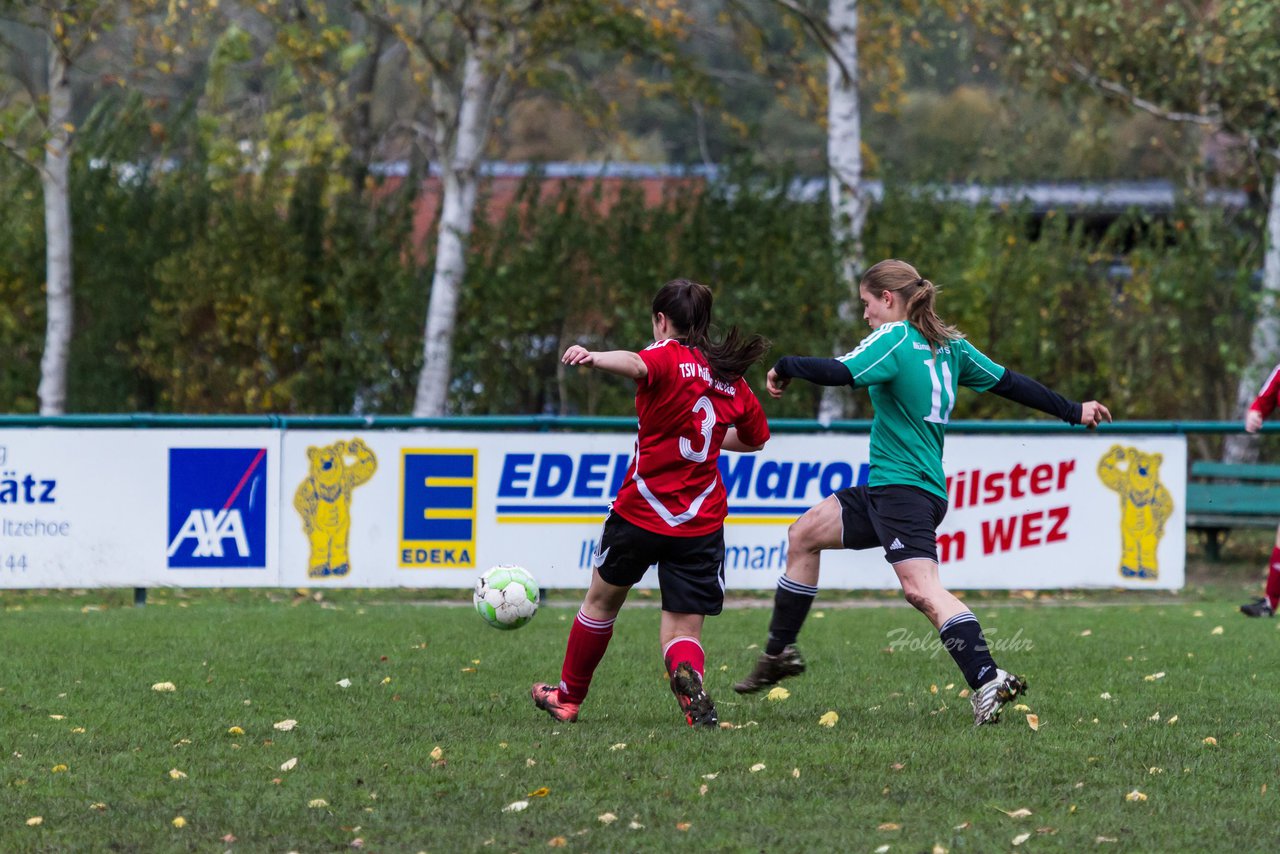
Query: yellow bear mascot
[
  {"x": 1145, "y": 505},
  {"x": 323, "y": 500}
]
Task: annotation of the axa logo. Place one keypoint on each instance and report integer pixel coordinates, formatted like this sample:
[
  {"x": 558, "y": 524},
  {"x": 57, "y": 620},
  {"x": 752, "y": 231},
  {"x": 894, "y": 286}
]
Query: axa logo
[
  {"x": 438, "y": 518},
  {"x": 217, "y": 508}
]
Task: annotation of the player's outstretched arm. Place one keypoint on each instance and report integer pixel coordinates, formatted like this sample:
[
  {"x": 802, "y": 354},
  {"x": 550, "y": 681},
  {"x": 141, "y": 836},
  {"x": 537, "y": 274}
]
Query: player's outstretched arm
[
  {"x": 817, "y": 370},
  {"x": 1031, "y": 393},
  {"x": 624, "y": 363}
]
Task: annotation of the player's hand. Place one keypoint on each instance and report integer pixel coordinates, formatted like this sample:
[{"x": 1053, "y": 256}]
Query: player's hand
[
  {"x": 776, "y": 383},
  {"x": 578, "y": 355},
  {"x": 1252, "y": 421},
  {"x": 1093, "y": 413}
]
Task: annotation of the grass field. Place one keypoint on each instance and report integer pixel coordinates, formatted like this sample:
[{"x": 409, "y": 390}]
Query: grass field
[{"x": 435, "y": 734}]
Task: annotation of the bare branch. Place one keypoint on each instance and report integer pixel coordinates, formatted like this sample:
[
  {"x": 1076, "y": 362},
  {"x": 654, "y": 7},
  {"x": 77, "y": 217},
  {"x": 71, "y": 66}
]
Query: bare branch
[
  {"x": 822, "y": 34},
  {"x": 1110, "y": 86}
]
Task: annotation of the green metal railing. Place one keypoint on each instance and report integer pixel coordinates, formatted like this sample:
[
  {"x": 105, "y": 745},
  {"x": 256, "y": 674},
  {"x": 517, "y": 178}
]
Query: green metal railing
[{"x": 547, "y": 423}]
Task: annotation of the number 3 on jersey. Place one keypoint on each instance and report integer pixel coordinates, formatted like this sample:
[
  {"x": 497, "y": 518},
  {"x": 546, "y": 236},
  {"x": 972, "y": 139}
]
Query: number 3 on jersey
[
  {"x": 708, "y": 411},
  {"x": 942, "y": 385}
]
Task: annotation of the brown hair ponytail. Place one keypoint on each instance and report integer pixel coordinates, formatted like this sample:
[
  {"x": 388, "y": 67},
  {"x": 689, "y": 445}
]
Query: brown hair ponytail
[
  {"x": 688, "y": 305},
  {"x": 920, "y": 295}
]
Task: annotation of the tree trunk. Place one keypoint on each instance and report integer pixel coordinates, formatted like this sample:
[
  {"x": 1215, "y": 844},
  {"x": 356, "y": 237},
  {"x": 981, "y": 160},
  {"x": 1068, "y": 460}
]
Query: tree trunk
[
  {"x": 57, "y": 225},
  {"x": 1265, "y": 348},
  {"x": 844, "y": 176},
  {"x": 459, "y": 169}
]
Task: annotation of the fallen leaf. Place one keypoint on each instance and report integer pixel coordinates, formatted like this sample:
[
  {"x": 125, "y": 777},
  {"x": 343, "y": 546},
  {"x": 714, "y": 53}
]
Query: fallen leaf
[
  {"x": 357, "y": 842},
  {"x": 436, "y": 752},
  {"x": 516, "y": 806},
  {"x": 317, "y": 803},
  {"x": 829, "y": 719},
  {"x": 1098, "y": 840},
  {"x": 964, "y": 826},
  {"x": 235, "y": 730},
  {"x": 100, "y": 807},
  {"x": 1022, "y": 812},
  {"x": 1033, "y": 721},
  {"x": 58, "y": 717},
  {"x": 1153, "y": 677},
  {"x": 1135, "y": 795},
  {"x": 759, "y": 766},
  {"x": 229, "y": 838},
  {"x": 1086, "y": 633},
  {"x": 889, "y": 825},
  {"x": 1104, "y": 696},
  {"x": 795, "y": 773},
  {"x": 1155, "y": 770},
  {"x": 1173, "y": 720},
  {"x": 77, "y": 729},
  {"x": 897, "y": 766},
  {"x": 35, "y": 821},
  {"x": 1211, "y": 741},
  {"x": 164, "y": 687},
  {"x": 343, "y": 683},
  {"x": 179, "y": 821},
  {"x": 882, "y": 849},
  {"x": 289, "y": 764},
  {"x": 58, "y": 769},
  {"x": 702, "y": 790},
  {"x": 386, "y": 680},
  {"x": 1217, "y": 630},
  {"x": 175, "y": 774},
  {"x": 711, "y": 776},
  {"x": 683, "y": 826},
  {"x": 540, "y": 792},
  {"x": 285, "y": 725},
  {"x": 933, "y": 689},
  {"x": 938, "y": 849},
  {"x": 530, "y": 762},
  {"x": 1154, "y": 717},
  {"x": 619, "y": 746},
  {"x": 1021, "y": 838},
  {"x": 1022, "y": 707},
  {"x": 635, "y": 825},
  {"x": 557, "y": 842},
  {"x": 606, "y": 818},
  {"x": 778, "y": 693}
]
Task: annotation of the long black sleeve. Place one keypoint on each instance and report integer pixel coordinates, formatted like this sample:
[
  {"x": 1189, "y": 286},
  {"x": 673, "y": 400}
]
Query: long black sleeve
[
  {"x": 1022, "y": 389},
  {"x": 815, "y": 369}
]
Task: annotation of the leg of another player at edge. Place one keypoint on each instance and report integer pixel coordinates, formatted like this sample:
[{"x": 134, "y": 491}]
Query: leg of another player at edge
[
  {"x": 818, "y": 529},
  {"x": 958, "y": 628},
  {"x": 589, "y": 637}
]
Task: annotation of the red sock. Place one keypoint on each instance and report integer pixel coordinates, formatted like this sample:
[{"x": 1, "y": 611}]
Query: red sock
[
  {"x": 588, "y": 639},
  {"x": 685, "y": 649},
  {"x": 1273, "y": 579}
]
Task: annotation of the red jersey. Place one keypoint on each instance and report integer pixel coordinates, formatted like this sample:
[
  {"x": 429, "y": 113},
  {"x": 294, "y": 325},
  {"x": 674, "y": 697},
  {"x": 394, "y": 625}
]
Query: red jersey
[
  {"x": 1267, "y": 399},
  {"x": 673, "y": 484}
]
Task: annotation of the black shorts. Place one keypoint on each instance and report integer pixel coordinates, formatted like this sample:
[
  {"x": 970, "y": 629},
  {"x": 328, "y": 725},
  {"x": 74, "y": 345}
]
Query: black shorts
[
  {"x": 903, "y": 520},
  {"x": 690, "y": 569}
]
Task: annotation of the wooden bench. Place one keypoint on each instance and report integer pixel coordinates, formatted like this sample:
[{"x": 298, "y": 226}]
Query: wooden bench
[{"x": 1222, "y": 496}]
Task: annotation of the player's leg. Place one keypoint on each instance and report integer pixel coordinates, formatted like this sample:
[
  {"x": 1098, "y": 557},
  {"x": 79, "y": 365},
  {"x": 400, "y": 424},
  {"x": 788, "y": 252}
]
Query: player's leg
[
  {"x": 691, "y": 575},
  {"x": 821, "y": 527},
  {"x": 1265, "y": 606},
  {"x": 621, "y": 559}
]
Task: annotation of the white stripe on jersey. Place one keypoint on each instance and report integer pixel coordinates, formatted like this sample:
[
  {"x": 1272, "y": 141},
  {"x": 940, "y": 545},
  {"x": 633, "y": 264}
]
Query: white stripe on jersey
[
  {"x": 1266, "y": 385},
  {"x": 884, "y": 329},
  {"x": 674, "y": 520}
]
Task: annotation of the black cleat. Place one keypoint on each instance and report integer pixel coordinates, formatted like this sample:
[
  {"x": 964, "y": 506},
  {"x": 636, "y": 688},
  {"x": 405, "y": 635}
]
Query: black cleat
[
  {"x": 694, "y": 702},
  {"x": 771, "y": 669},
  {"x": 1259, "y": 607}
]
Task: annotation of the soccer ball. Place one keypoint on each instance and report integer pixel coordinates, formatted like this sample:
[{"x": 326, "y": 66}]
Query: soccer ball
[{"x": 506, "y": 596}]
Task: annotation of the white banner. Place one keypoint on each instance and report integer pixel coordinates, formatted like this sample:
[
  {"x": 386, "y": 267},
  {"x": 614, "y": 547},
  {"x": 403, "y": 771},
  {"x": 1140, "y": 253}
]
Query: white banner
[
  {"x": 434, "y": 509},
  {"x": 139, "y": 508},
  {"x": 242, "y": 508}
]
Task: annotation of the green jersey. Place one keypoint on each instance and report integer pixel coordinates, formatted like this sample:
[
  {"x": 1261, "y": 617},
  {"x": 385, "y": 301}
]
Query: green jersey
[{"x": 913, "y": 389}]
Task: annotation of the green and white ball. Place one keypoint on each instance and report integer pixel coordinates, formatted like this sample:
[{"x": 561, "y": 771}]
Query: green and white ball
[{"x": 506, "y": 596}]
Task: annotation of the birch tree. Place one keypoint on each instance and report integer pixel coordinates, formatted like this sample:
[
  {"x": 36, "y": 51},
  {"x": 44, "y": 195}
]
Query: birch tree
[
  {"x": 44, "y": 42},
  {"x": 1208, "y": 64}
]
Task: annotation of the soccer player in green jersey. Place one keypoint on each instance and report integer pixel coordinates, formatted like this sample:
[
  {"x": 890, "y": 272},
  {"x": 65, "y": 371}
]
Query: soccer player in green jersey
[{"x": 912, "y": 364}]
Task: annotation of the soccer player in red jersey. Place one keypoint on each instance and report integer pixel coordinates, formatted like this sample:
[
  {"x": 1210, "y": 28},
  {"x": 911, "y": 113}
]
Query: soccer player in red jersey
[
  {"x": 1263, "y": 405},
  {"x": 692, "y": 401}
]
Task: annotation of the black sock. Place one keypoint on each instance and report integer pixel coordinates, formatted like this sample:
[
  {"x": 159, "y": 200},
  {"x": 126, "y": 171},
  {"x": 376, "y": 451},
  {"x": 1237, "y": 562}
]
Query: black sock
[
  {"x": 790, "y": 606},
  {"x": 962, "y": 637}
]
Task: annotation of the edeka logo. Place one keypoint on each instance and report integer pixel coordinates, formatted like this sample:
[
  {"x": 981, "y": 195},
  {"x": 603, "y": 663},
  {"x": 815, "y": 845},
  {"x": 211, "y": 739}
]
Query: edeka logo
[
  {"x": 217, "y": 508},
  {"x": 438, "y": 517}
]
